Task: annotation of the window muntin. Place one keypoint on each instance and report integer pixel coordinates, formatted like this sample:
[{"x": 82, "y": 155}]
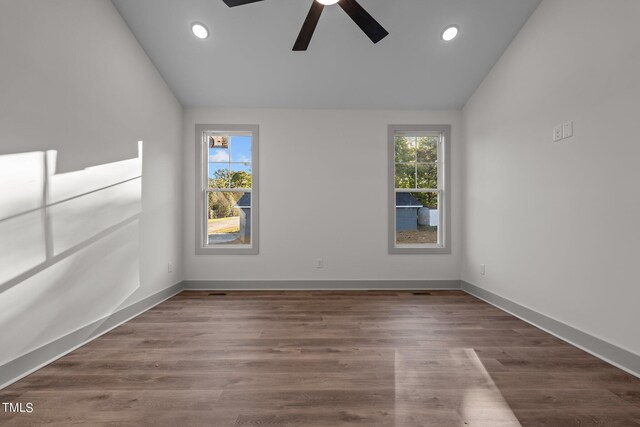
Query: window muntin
[
  {"x": 418, "y": 189},
  {"x": 228, "y": 180}
]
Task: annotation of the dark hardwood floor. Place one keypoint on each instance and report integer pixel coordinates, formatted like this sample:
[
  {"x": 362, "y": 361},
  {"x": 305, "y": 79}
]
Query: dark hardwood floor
[{"x": 327, "y": 359}]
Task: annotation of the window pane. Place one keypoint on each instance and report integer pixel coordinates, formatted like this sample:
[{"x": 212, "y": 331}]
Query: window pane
[
  {"x": 405, "y": 175},
  {"x": 417, "y": 218},
  {"x": 241, "y": 175},
  {"x": 229, "y": 218},
  {"x": 241, "y": 149},
  {"x": 405, "y": 149},
  {"x": 427, "y": 149},
  {"x": 218, "y": 175},
  {"x": 427, "y": 175},
  {"x": 218, "y": 155}
]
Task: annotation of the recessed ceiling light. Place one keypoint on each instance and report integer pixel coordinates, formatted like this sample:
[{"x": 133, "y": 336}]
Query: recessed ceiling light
[
  {"x": 450, "y": 33},
  {"x": 200, "y": 31},
  {"x": 327, "y": 2}
]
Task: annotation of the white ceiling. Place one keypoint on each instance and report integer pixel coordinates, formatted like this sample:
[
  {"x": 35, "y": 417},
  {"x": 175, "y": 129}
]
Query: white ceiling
[{"x": 247, "y": 60}]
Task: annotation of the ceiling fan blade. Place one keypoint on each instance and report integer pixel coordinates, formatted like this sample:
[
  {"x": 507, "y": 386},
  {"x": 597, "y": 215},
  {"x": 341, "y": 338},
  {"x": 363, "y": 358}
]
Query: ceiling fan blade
[
  {"x": 233, "y": 3},
  {"x": 370, "y": 26},
  {"x": 309, "y": 26}
]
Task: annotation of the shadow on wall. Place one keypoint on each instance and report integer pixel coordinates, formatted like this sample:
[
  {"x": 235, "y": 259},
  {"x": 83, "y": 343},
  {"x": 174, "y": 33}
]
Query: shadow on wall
[{"x": 68, "y": 246}]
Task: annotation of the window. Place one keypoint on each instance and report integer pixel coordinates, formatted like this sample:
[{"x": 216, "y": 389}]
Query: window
[
  {"x": 227, "y": 186},
  {"x": 419, "y": 193}
]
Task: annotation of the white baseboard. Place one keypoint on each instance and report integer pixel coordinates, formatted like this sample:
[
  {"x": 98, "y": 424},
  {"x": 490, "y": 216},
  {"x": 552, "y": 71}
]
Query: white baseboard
[
  {"x": 30, "y": 362},
  {"x": 42, "y": 356},
  {"x": 318, "y": 285},
  {"x": 610, "y": 353}
]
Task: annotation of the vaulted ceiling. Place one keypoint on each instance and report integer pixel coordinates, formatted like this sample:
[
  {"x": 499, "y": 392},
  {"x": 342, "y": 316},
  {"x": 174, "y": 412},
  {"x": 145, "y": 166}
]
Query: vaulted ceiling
[{"x": 247, "y": 60}]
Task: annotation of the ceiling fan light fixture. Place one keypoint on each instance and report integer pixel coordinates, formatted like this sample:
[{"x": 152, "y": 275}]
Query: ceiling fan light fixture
[
  {"x": 450, "y": 33},
  {"x": 199, "y": 30},
  {"x": 356, "y": 12}
]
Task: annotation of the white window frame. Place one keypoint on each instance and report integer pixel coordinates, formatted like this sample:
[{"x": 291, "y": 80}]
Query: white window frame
[
  {"x": 203, "y": 190},
  {"x": 444, "y": 194}
]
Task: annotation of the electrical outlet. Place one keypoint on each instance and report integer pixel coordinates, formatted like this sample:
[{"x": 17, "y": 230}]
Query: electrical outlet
[
  {"x": 170, "y": 268},
  {"x": 482, "y": 269},
  {"x": 557, "y": 133},
  {"x": 319, "y": 263},
  {"x": 567, "y": 130}
]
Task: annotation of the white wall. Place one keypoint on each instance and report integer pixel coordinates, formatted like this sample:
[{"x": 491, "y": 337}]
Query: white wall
[
  {"x": 329, "y": 168},
  {"x": 81, "y": 234},
  {"x": 558, "y": 224}
]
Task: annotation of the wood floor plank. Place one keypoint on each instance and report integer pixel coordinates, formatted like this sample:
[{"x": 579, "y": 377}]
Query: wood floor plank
[{"x": 326, "y": 359}]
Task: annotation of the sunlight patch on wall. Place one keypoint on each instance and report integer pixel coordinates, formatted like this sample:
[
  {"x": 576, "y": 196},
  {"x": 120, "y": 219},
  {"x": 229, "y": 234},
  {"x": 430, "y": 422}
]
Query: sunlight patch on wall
[
  {"x": 69, "y": 246},
  {"x": 22, "y": 235}
]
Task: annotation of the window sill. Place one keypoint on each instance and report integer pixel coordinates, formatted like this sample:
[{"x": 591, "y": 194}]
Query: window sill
[
  {"x": 408, "y": 249},
  {"x": 239, "y": 250}
]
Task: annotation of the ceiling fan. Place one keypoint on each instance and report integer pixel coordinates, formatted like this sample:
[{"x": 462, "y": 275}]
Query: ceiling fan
[{"x": 361, "y": 17}]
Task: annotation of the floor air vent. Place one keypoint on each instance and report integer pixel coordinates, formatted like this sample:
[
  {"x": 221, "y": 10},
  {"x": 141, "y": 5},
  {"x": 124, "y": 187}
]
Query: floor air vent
[
  {"x": 422, "y": 293},
  {"x": 217, "y": 294}
]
